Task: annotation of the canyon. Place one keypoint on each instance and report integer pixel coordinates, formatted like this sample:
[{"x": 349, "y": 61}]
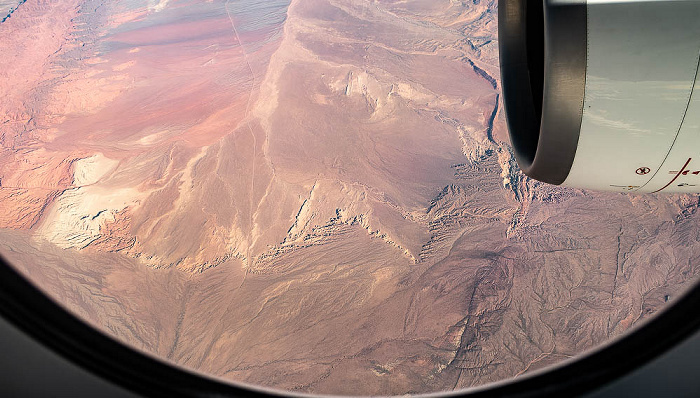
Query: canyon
[{"x": 316, "y": 196}]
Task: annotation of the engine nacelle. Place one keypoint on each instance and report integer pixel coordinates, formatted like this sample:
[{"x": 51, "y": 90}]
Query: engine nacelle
[{"x": 603, "y": 94}]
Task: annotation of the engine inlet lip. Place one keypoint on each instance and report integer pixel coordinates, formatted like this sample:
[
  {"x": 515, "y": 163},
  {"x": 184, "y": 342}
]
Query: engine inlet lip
[{"x": 543, "y": 56}]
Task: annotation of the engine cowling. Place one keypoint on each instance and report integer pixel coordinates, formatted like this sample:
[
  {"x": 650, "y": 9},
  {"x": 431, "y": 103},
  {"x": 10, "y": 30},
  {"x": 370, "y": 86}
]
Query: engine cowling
[{"x": 603, "y": 94}]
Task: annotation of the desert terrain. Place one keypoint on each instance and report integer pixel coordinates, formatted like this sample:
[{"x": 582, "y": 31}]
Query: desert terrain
[{"x": 310, "y": 195}]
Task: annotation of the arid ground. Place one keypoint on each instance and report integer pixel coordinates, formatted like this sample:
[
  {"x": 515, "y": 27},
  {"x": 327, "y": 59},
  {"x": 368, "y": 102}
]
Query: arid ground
[{"x": 316, "y": 196}]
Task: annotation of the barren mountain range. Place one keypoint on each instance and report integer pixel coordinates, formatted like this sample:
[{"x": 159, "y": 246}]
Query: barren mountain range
[{"x": 315, "y": 195}]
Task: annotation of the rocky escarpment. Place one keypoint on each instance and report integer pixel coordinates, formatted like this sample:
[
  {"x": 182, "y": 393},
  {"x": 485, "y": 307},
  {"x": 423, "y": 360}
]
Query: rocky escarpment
[
  {"x": 8, "y": 7},
  {"x": 318, "y": 198}
]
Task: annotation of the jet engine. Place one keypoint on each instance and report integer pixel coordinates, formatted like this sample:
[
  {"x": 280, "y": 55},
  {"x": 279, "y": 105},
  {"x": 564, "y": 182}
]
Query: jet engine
[{"x": 603, "y": 94}]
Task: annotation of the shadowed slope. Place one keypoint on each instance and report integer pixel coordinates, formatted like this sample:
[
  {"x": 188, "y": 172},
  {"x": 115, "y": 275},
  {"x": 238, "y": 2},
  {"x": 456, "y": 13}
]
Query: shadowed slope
[{"x": 316, "y": 197}]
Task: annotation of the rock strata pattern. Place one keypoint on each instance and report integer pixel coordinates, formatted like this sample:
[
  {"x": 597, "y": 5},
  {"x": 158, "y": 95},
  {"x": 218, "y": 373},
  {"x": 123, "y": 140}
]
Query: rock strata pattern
[{"x": 316, "y": 196}]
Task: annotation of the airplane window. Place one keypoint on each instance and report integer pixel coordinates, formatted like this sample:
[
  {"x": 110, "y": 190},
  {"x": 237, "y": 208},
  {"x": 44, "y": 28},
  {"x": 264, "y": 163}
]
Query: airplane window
[{"x": 326, "y": 196}]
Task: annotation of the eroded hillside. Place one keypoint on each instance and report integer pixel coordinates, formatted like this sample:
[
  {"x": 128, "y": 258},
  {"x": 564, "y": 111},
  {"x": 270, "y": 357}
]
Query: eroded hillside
[{"x": 316, "y": 196}]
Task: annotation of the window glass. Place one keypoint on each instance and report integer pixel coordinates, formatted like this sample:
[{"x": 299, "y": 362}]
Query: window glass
[{"x": 316, "y": 196}]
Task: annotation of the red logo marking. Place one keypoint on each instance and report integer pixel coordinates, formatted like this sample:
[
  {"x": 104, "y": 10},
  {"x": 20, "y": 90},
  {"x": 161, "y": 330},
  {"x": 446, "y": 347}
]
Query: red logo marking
[
  {"x": 685, "y": 172},
  {"x": 682, "y": 171},
  {"x": 643, "y": 170}
]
